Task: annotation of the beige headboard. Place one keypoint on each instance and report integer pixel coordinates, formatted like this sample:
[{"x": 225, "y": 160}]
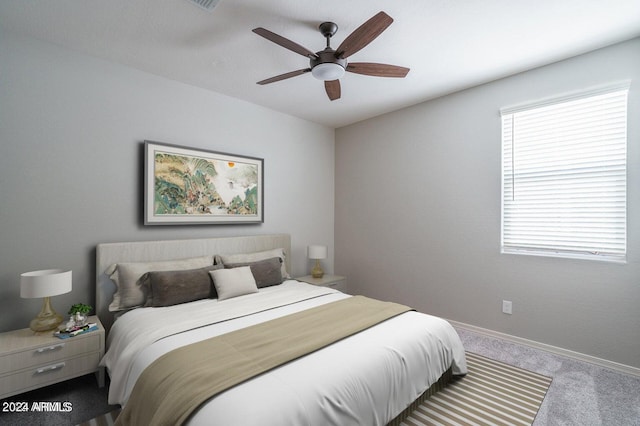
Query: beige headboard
[{"x": 146, "y": 251}]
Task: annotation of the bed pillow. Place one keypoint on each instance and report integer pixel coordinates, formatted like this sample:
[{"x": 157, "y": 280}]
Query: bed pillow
[
  {"x": 167, "y": 288},
  {"x": 266, "y": 272},
  {"x": 129, "y": 292},
  {"x": 254, "y": 257},
  {"x": 233, "y": 282}
]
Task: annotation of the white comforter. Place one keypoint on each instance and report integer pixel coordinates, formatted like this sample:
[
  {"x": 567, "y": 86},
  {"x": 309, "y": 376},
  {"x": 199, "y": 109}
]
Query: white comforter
[{"x": 366, "y": 379}]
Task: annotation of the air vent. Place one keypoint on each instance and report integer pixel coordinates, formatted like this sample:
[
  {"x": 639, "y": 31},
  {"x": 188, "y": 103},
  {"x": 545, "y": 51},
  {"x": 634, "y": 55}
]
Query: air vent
[{"x": 207, "y": 5}]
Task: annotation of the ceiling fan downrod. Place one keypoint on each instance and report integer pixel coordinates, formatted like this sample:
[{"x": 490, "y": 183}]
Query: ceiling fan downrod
[
  {"x": 326, "y": 66},
  {"x": 328, "y": 29}
]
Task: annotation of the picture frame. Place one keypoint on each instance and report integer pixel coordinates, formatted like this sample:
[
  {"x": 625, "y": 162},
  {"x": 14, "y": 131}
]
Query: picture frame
[{"x": 192, "y": 186}]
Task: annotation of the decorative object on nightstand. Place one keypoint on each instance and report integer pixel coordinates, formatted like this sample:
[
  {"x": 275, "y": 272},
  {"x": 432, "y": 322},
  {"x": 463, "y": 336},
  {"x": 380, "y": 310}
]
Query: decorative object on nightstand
[
  {"x": 79, "y": 313},
  {"x": 317, "y": 253},
  {"x": 75, "y": 330},
  {"x": 45, "y": 283}
]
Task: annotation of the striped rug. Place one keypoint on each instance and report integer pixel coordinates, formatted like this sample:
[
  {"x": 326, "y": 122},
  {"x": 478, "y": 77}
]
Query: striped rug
[
  {"x": 492, "y": 393},
  {"x": 104, "y": 420}
]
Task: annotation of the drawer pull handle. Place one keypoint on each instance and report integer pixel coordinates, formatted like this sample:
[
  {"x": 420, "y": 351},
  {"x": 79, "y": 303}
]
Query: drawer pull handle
[
  {"x": 49, "y": 368},
  {"x": 50, "y": 348}
]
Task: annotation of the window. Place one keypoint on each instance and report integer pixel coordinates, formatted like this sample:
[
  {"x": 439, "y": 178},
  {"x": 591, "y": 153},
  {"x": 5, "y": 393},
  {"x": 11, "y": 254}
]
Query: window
[{"x": 564, "y": 176}]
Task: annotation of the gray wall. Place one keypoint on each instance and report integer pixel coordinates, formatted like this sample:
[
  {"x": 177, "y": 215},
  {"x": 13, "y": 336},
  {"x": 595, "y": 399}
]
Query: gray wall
[
  {"x": 71, "y": 161},
  {"x": 418, "y": 217},
  {"x": 417, "y": 192}
]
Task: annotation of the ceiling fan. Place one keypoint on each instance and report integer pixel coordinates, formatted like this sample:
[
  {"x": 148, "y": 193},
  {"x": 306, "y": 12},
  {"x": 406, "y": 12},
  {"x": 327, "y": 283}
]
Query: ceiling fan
[{"x": 329, "y": 64}]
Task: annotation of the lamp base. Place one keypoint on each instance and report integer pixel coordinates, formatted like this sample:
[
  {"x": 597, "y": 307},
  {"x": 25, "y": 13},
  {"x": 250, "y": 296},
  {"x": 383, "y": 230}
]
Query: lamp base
[
  {"x": 317, "y": 271},
  {"x": 47, "y": 319}
]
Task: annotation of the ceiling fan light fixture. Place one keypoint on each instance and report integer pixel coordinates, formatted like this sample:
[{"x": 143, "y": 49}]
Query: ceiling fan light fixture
[{"x": 328, "y": 71}]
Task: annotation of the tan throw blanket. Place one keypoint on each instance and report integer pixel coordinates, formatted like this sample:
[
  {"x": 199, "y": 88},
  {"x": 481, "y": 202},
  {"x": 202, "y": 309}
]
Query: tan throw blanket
[{"x": 177, "y": 383}]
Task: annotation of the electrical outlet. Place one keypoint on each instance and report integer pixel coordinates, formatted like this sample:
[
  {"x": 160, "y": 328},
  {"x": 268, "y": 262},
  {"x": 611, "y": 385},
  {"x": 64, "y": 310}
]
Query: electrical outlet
[{"x": 507, "y": 307}]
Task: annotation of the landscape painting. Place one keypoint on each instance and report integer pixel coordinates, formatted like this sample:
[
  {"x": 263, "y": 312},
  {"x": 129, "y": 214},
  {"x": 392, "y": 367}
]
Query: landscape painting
[{"x": 193, "y": 186}]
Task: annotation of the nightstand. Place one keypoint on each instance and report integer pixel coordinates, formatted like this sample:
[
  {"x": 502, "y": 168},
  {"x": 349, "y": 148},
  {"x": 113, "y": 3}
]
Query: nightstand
[
  {"x": 30, "y": 360},
  {"x": 334, "y": 281}
]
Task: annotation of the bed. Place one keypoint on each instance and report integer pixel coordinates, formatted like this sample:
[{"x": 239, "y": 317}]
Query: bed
[{"x": 371, "y": 375}]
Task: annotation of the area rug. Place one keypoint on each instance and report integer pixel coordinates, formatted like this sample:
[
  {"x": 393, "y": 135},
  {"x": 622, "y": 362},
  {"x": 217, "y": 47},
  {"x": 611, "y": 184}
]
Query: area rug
[
  {"x": 104, "y": 420},
  {"x": 492, "y": 393}
]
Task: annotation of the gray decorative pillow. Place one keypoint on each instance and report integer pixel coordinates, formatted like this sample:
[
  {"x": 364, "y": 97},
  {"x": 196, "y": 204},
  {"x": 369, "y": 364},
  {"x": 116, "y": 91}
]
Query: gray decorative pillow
[
  {"x": 166, "y": 288},
  {"x": 254, "y": 257},
  {"x": 233, "y": 282},
  {"x": 266, "y": 272},
  {"x": 129, "y": 292}
]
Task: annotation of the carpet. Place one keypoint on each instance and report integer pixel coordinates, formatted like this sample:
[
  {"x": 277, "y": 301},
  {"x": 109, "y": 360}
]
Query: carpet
[{"x": 492, "y": 393}]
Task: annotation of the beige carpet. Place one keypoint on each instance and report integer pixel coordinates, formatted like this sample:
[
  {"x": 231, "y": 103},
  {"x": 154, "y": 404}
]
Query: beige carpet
[{"x": 493, "y": 393}]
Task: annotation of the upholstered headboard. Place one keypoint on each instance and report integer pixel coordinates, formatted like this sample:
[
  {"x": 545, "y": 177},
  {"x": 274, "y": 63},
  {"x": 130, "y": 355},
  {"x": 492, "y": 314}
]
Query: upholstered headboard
[{"x": 146, "y": 251}]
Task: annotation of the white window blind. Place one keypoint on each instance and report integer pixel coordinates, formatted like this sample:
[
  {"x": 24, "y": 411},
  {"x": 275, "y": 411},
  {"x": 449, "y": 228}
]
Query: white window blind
[{"x": 564, "y": 177}]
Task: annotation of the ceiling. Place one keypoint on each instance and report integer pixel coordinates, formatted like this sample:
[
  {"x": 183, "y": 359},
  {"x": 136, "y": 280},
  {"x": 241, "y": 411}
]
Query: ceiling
[{"x": 448, "y": 44}]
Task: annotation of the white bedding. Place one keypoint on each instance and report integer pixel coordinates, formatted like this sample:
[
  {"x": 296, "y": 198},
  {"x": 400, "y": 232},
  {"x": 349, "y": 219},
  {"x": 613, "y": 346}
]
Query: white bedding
[{"x": 367, "y": 378}]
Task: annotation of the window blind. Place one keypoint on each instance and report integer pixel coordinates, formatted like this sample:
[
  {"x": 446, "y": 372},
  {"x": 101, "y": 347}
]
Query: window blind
[{"x": 564, "y": 177}]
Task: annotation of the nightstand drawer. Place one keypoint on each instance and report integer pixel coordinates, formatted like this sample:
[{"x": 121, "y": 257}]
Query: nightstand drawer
[
  {"x": 335, "y": 282},
  {"x": 338, "y": 285},
  {"x": 35, "y": 377},
  {"x": 55, "y": 350}
]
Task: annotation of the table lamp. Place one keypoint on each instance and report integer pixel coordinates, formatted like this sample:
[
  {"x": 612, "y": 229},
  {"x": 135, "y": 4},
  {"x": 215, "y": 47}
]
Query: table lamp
[
  {"x": 317, "y": 253},
  {"x": 45, "y": 283}
]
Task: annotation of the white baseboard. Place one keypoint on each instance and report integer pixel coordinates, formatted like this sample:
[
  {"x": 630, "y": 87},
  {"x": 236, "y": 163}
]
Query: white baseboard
[{"x": 623, "y": 368}]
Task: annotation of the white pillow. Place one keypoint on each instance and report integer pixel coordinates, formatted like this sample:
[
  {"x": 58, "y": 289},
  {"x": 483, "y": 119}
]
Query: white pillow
[{"x": 233, "y": 282}]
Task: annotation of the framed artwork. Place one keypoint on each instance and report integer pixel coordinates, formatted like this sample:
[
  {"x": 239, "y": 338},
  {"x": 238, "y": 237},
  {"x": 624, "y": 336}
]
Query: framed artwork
[{"x": 194, "y": 186}]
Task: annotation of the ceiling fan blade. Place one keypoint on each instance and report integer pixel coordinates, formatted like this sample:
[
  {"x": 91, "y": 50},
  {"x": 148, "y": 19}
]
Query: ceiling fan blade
[
  {"x": 363, "y": 35},
  {"x": 284, "y": 76},
  {"x": 333, "y": 89},
  {"x": 377, "y": 70},
  {"x": 285, "y": 42}
]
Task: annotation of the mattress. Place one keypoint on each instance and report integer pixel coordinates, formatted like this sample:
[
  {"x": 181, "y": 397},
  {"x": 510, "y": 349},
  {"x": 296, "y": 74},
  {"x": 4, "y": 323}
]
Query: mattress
[{"x": 367, "y": 378}]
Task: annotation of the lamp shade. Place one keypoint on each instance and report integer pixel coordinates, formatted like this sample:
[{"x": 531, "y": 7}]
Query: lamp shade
[
  {"x": 317, "y": 252},
  {"x": 45, "y": 283}
]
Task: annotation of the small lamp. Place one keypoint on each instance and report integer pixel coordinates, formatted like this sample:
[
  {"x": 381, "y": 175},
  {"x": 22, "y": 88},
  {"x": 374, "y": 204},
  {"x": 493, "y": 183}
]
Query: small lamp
[
  {"x": 45, "y": 283},
  {"x": 317, "y": 253}
]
